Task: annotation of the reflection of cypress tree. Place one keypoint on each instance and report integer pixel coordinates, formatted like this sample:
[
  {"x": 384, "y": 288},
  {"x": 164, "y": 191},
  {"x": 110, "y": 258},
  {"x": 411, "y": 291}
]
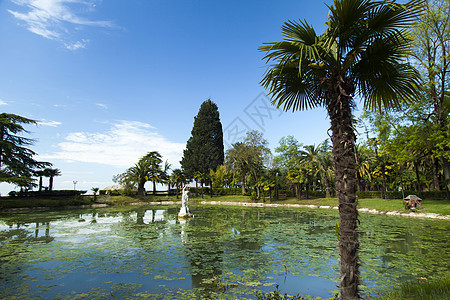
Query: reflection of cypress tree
[{"x": 204, "y": 254}]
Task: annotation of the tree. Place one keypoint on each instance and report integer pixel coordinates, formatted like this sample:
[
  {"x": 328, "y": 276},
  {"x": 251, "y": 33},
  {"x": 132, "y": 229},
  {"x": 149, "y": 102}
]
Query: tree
[
  {"x": 248, "y": 157},
  {"x": 40, "y": 174},
  {"x": 51, "y": 173},
  {"x": 155, "y": 173},
  {"x": 288, "y": 152},
  {"x": 146, "y": 169},
  {"x": 431, "y": 34},
  {"x": 204, "y": 149},
  {"x": 17, "y": 165},
  {"x": 95, "y": 190},
  {"x": 179, "y": 179},
  {"x": 363, "y": 52}
]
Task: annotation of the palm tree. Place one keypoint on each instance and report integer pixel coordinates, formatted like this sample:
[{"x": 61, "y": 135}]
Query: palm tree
[
  {"x": 178, "y": 178},
  {"x": 165, "y": 177},
  {"x": 362, "y": 53},
  {"x": 95, "y": 190},
  {"x": 325, "y": 169},
  {"x": 308, "y": 160},
  {"x": 40, "y": 174},
  {"x": 155, "y": 173},
  {"x": 364, "y": 160},
  {"x": 138, "y": 174},
  {"x": 51, "y": 173}
]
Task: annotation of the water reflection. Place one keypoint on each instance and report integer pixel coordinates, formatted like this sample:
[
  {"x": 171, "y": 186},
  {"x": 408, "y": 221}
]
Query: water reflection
[{"x": 229, "y": 249}]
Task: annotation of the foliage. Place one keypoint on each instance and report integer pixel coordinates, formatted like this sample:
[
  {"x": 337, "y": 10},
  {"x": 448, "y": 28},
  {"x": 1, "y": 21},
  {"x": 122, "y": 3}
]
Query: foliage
[
  {"x": 204, "y": 149},
  {"x": 249, "y": 157},
  {"x": 276, "y": 295},
  {"x": 148, "y": 168},
  {"x": 17, "y": 165},
  {"x": 45, "y": 194}
]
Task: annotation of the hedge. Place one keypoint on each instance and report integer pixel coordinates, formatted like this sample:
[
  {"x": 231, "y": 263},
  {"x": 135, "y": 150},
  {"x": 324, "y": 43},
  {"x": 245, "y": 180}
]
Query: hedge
[
  {"x": 431, "y": 195},
  {"x": 46, "y": 194}
]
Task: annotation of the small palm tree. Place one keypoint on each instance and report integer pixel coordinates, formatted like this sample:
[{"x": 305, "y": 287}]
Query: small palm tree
[
  {"x": 362, "y": 53},
  {"x": 178, "y": 178},
  {"x": 95, "y": 190},
  {"x": 40, "y": 174},
  {"x": 51, "y": 173},
  {"x": 139, "y": 174}
]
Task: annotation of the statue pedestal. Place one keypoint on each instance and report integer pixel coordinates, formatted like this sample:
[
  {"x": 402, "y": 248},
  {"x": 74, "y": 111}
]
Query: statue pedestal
[{"x": 184, "y": 212}]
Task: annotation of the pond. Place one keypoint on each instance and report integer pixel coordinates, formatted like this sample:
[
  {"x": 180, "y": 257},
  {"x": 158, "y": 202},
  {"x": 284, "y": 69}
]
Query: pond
[{"x": 223, "y": 252}]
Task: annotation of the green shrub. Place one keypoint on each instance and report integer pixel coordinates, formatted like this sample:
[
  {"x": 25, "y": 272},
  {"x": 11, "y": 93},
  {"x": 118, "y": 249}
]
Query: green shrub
[{"x": 48, "y": 194}]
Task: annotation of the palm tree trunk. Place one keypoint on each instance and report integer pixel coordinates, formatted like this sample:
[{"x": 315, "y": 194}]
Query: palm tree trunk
[
  {"x": 154, "y": 188},
  {"x": 343, "y": 139},
  {"x": 40, "y": 183},
  {"x": 141, "y": 190},
  {"x": 327, "y": 187},
  {"x": 384, "y": 191},
  {"x": 50, "y": 184}
]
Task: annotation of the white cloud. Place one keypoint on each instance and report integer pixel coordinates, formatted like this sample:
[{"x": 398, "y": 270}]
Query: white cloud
[
  {"x": 121, "y": 146},
  {"x": 49, "y": 123},
  {"x": 55, "y": 19},
  {"x": 102, "y": 105},
  {"x": 76, "y": 45},
  {"x": 3, "y": 102}
]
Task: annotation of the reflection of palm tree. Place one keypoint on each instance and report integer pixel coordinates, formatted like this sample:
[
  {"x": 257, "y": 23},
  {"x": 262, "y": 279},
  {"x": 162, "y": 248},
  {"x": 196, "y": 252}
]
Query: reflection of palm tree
[
  {"x": 51, "y": 173},
  {"x": 363, "y": 51}
]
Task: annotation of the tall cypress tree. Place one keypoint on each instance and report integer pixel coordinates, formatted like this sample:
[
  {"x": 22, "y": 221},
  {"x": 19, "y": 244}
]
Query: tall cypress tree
[{"x": 204, "y": 149}]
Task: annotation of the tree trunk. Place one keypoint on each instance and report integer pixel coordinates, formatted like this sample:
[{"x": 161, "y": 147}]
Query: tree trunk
[
  {"x": 384, "y": 190},
  {"x": 264, "y": 195},
  {"x": 141, "y": 190},
  {"x": 270, "y": 194},
  {"x": 446, "y": 167},
  {"x": 307, "y": 188},
  {"x": 40, "y": 183},
  {"x": 343, "y": 139},
  {"x": 327, "y": 187},
  {"x": 201, "y": 184},
  {"x": 435, "y": 174},
  {"x": 50, "y": 184},
  {"x": 154, "y": 188},
  {"x": 243, "y": 184},
  {"x": 176, "y": 189},
  {"x": 210, "y": 189},
  {"x": 416, "y": 169}
]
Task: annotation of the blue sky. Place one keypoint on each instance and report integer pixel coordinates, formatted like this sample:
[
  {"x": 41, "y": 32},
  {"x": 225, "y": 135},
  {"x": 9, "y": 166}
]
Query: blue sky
[{"x": 111, "y": 80}]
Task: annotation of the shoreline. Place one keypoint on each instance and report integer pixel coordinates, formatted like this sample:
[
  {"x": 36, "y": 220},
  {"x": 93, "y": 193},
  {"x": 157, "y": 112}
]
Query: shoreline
[{"x": 410, "y": 214}]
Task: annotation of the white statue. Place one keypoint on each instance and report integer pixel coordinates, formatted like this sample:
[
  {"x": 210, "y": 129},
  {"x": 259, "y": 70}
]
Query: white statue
[{"x": 184, "y": 211}]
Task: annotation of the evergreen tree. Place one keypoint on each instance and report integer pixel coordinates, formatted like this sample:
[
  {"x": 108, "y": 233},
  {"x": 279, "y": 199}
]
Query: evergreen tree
[
  {"x": 204, "y": 149},
  {"x": 17, "y": 165}
]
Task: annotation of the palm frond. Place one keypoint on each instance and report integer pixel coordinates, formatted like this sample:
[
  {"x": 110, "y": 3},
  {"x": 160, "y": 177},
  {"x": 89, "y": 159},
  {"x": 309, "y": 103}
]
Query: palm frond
[{"x": 289, "y": 90}]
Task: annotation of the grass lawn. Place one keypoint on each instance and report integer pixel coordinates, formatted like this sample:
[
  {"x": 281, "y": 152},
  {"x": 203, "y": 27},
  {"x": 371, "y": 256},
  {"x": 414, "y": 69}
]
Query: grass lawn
[
  {"x": 428, "y": 206},
  {"x": 438, "y": 288}
]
